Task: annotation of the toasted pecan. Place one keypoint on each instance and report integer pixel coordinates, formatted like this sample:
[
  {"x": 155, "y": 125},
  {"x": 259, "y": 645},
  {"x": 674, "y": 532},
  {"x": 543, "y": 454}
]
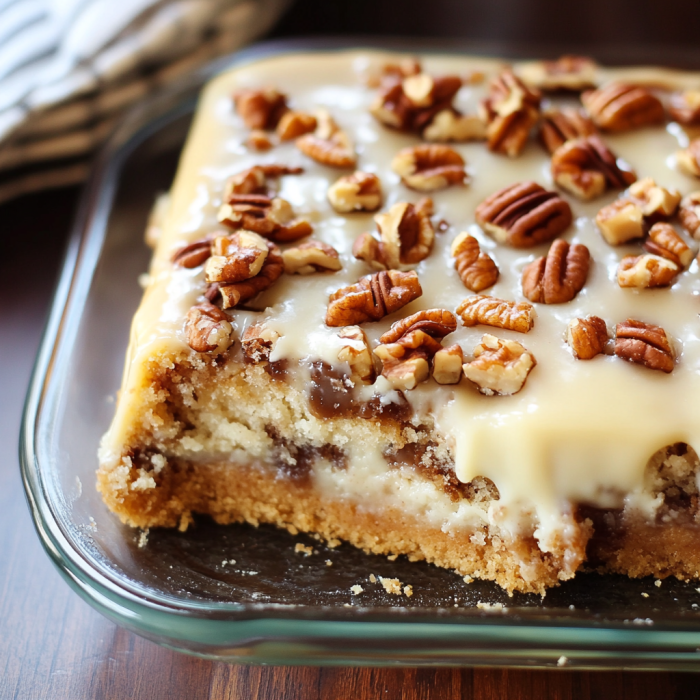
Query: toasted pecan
[
  {"x": 558, "y": 277},
  {"x": 476, "y": 269},
  {"x": 644, "y": 344},
  {"x": 499, "y": 313}
]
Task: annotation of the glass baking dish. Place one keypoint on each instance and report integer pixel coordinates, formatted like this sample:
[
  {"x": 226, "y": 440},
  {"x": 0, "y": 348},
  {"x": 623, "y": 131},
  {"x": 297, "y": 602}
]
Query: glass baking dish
[{"x": 241, "y": 594}]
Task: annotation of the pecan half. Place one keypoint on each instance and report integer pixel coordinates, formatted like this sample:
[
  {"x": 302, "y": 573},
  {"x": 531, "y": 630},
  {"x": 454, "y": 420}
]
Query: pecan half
[
  {"x": 620, "y": 106},
  {"x": 561, "y": 125},
  {"x": 587, "y": 337},
  {"x": 644, "y": 344},
  {"x": 664, "y": 241},
  {"x": 372, "y": 298},
  {"x": 258, "y": 342},
  {"x": 447, "y": 365},
  {"x": 587, "y": 167},
  {"x": 357, "y": 192},
  {"x": 621, "y": 221},
  {"x": 260, "y": 108},
  {"x": 295, "y": 124},
  {"x": 255, "y": 180},
  {"x": 310, "y": 257},
  {"x": 207, "y": 329},
  {"x": 646, "y": 271},
  {"x": 571, "y": 73},
  {"x": 406, "y": 236},
  {"x": 684, "y": 107},
  {"x": 355, "y": 351},
  {"x": 656, "y": 202},
  {"x": 689, "y": 214},
  {"x": 558, "y": 277},
  {"x": 194, "y": 254},
  {"x": 477, "y": 270},
  {"x": 235, "y": 258},
  {"x": 500, "y": 313},
  {"x": 510, "y": 111},
  {"x": 524, "y": 215},
  {"x": 436, "y": 323},
  {"x": 429, "y": 167},
  {"x": 328, "y": 145},
  {"x": 500, "y": 367},
  {"x": 688, "y": 159}
]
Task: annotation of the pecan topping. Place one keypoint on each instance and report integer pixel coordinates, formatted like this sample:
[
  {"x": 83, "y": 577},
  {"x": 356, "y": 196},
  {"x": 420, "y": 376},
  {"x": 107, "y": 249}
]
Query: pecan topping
[
  {"x": 586, "y": 167},
  {"x": 689, "y": 214},
  {"x": 500, "y": 367},
  {"x": 357, "y": 192},
  {"x": 310, "y": 257},
  {"x": 684, "y": 107},
  {"x": 207, "y": 329},
  {"x": 656, "y": 202},
  {"x": 619, "y": 107},
  {"x": 372, "y": 298},
  {"x": 510, "y": 111},
  {"x": 437, "y": 323},
  {"x": 477, "y": 270},
  {"x": 194, "y": 254},
  {"x": 328, "y": 145},
  {"x": 644, "y": 344},
  {"x": 356, "y": 353},
  {"x": 665, "y": 242},
  {"x": 255, "y": 180},
  {"x": 620, "y": 222},
  {"x": 296, "y": 124},
  {"x": 450, "y": 125},
  {"x": 490, "y": 311},
  {"x": 261, "y": 108},
  {"x": 235, "y": 258},
  {"x": 258, "y": 140},
  {"x": 258, "y": 342},
  {"x": 646, "y": 271},
  {"x": 406, "y": 236},
  {"x": 271, "y": 217},
  {"x": 688, "y": 159},
  {"x": 587, "y": 337},
  {"x": 558, "y": 277},
  {"x": 524, "y": 215},
  {"x": 572, "y": 73},
  {"x": 561, "y": 125},
  {"x": 429, "y": 167},
  {"x": 447, "y": 365}
]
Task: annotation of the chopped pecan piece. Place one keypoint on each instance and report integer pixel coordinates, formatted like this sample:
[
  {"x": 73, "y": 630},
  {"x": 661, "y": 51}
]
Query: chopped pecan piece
[
  {"x": 620, "y": 106},
  {"x": 664, "y": 241},
  {"x": 328, "y": 145},
  {"x": 684, "y": 107},
  {"x": 194, "y": 254},
  {"x": 429, "y": 167},
  {"x": 558, "y": 277},
  {"x": 258, "y": 140},
  {"x": 646, "y": 271},
  {"x": 255, "y": 180},
  {"x": 447, "y": 365},
  {"x": 449, "y": 125},
  {"x": 689, "y": 214},
  {"x": 296, "y": 124},
  {"x": 587, "y": 337},
  {"x": 406, "y": 236},
  {"x": 260, "y": 108},
  {"x": 524, "y": 215},
  {"x": 688, "y": 159},
  {"x": 258, "y": 342},
  {"x": 500, "y": 313},
  {"x": 477, "y": 270},
  {"x": 500, "y": 367},
  {"x": 656, "y": 202},
  {"x": 644, "y": 344},
  {"x": 310, "y": 257},
  {"x": 207, "y": 329},
  {"x": 586, "y": 168},
  {"x": 561, "y": 125},
  {"x": 372, "y": 298},
  {"x": 621, "y": 221},
  {"x": 510, "y": 111},
  {"x": 571, "y": 73},
  {"x": 235, "y": 258},
  {"x": 357, "y": 192},
  {"x": 355, "y": 351}
]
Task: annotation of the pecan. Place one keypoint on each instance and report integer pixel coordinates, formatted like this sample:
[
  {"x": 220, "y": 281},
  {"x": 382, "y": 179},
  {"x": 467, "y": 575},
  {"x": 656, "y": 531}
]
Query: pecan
[
  {"x": 255, "y": 180},
  {"x": 684, "y": 107},
  {"x": 357, "y": 192},
  {"x": 437, "y": 323},
  {"x": 560, "y": 276},
  {"x": 477, "y": 270},
  {"x": 372, "y": 298},
  {"x": 207, "y": 329},
  {"x": 587, "y": 337},
  {"x": 655, "y": 202},
  {"x": 646, "y": 271},
  {"x": 664, "y": 241},
  {"x": 406, "y": 236},
  {"x": 620, "y": 106},
  {"x": 586, "y": 167},
  {"x": 258, "y": 342},
  {"x": 644, "y": 344},
  {"x": 260, "y": 108},
  {"x": 510, "y": 111},
  {"x": 271, "y": 217},
  {"x": 500, "y": 367},
  {"x": 447, "y": 365},
  {"x": 355, "y": 351},
  {"x": 235, "y": 258},
  {"x": 620, "y": 222},
  {"x": 310, "y": 257},
  {"x": 450, "y": 125},
  {"x": 258, "y": 140},
  {"x": 296, "y": 124},
  {"x": 689, "y": 213},
  {"x": 524, "y": 215},
  {"x": 392, "y": 71},
  {"x": 429, "y": 167},
  {"x": 194, "y": 254},
  {"x": 688, "y": 159},
  {"x": 328, "y": 145},
  {"x": 572, "y": 73},
  {"x": 490, "y": 311},
  {"x": 561, "y": 125}
]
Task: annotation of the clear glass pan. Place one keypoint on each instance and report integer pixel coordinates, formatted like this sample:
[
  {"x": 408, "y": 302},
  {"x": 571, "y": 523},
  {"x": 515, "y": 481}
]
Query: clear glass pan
[{"x": 238, "y": 593}]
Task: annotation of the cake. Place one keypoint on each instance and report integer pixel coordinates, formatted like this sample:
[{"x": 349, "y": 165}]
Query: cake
[{"x": 443, "y": 308}]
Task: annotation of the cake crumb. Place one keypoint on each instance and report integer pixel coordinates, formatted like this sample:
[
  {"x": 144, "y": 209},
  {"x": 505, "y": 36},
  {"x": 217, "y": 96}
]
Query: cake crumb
[
  {"x": 372, "y": 578},
  {"x": 392, "y": 557},
  {"x": 391, "y": 585},
  {"x": 333, "y": 543},
  {"x": 292, "y": 530},
  {"x": 408, "y": 591},
  {"x": 491, "y": 606},
  {"x": 228, "y": 561},
  {"x": 562, "y": 661},
  {"x": 657, "y": 583},
  {"x": 468, "y": 579},
  {"x": 143, "y": 539},
  {"x": 329, "y": 562},
  {"x": 299, "y": 547},
  {"x": 645, "y": 595},
  {"x": 356, "y": 590}
]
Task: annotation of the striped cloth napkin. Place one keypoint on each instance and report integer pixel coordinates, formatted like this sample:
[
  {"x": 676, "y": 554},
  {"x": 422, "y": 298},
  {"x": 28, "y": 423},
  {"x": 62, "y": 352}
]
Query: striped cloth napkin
[{"x": 69, "y": 69}]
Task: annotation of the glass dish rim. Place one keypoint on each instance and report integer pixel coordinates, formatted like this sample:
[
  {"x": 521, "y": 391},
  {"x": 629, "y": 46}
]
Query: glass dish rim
[{"x": 117, "y": 599}]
